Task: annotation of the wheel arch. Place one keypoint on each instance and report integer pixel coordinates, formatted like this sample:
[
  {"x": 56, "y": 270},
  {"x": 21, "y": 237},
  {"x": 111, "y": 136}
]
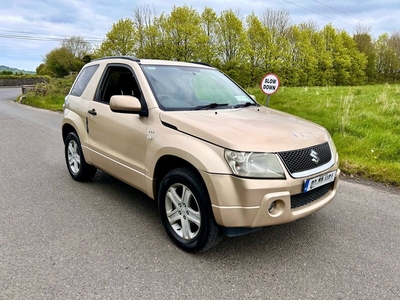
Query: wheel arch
[
  {"x": 78, "y": 128},
  {"x": 67, "y": 128},
  {"x": 167, "y": 163}
]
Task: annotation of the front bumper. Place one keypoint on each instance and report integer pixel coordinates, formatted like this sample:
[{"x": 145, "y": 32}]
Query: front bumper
[{"x": 241, "y": 202}]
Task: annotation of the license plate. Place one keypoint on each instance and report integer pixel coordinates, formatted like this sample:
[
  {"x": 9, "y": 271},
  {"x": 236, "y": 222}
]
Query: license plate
[{"x": 313, "y": 183}]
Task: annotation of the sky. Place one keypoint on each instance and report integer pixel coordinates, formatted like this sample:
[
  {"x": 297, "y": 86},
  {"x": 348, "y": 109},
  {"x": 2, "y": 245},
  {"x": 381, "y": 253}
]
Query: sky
[{"x": 29, "y": 29}]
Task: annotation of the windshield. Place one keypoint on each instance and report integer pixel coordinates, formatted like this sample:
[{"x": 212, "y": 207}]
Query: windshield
[{"x": 193, "y": 88}]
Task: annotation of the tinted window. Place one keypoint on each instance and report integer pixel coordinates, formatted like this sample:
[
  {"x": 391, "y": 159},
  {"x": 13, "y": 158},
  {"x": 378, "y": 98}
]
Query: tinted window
[{"x": 82, "y": 80}]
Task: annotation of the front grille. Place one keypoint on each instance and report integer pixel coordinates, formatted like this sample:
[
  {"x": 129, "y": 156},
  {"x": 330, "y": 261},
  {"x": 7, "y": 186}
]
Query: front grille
[
  {"x": 301, "y": 160},
  {"x": 305, "y": 198}
]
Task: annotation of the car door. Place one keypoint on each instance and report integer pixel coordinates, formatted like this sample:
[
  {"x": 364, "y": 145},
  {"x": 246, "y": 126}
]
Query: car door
[{"x": 117, "y": 141}]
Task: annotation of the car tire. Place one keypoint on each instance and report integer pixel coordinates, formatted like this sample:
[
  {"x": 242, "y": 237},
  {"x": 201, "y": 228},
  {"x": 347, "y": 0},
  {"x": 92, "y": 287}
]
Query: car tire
[
  {"x": 185, "y": 211},
  {"x": 77, "y": 166}
]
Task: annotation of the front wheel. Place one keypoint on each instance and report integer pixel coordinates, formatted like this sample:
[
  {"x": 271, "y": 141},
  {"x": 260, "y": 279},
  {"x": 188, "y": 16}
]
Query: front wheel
[
  {"x": 77, "y": 166},
  {"x": 185, "y": 211}
]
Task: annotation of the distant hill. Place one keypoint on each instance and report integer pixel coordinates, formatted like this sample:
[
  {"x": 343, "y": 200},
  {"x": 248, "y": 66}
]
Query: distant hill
[{"x": 14, "y": 70}]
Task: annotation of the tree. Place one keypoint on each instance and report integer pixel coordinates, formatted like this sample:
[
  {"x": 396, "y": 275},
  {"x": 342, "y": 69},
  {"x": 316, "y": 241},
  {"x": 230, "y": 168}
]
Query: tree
[
  {"x": 323, "y": 74},
  {"x": 310, "y": 25},
  {"x": 259, "y": 37},
  {"x": 60, "y": 62},
  {"x": 364, "y": 43},
  {"x": 156, "y": 45},
  {"x": 184, "y": 35},
  {"x": 348, "y": 64},
  {"x": 278, "y": 21},
  {"x": 144, "y": 19},
  {"x": 303, "y": 57},
  {"x": 42, "y": 70},
  {"x": 119, "y": 41},
  {"x": 387, "y": 62},
  {"x": 358, "y": 60},
  {"x": 233, "y": 45},
  {"x": 278, "y": 58},
  {"x": 341, "y": 62},
  {"x": 394, "y": 43},
  {"x": 366, "y": 46},
  {"x": 77, "y": 46},
  {"x": 209, "y": 25}
]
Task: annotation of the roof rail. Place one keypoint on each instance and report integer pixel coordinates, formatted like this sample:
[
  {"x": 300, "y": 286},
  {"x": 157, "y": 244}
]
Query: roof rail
[{"x": 119, "y": 57}]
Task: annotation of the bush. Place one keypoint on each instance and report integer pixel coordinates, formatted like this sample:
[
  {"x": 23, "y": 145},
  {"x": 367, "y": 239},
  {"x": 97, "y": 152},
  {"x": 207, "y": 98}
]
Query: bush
[
  {"x": 55, "y": 87},
  {"x": 49, "y": 95}
]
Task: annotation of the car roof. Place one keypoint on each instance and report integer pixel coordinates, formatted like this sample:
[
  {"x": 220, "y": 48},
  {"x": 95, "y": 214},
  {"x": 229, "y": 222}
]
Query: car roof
[{"x": 153, "y": 61}]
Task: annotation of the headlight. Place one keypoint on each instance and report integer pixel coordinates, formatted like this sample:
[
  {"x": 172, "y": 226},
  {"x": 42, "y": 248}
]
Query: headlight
[{"x": 254, "y": 164}]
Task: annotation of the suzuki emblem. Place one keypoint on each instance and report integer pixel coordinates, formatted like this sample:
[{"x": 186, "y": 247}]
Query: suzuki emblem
[{"x": 315, "y": 157}]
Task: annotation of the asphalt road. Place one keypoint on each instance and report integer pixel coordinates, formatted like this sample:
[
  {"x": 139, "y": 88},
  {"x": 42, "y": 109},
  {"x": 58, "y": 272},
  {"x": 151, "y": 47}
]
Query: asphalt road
[{"x": 60, "y": 239}]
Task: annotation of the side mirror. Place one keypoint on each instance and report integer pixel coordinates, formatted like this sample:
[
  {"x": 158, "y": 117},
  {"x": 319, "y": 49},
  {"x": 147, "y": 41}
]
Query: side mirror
[
  {"x": 253, "y": 97},
  {"x": 125, "y": 104}
]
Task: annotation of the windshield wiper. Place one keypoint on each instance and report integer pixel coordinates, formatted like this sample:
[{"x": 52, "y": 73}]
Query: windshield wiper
[
  {"x": 244, "y": 104},
  {"x": 210, "y": 105}
]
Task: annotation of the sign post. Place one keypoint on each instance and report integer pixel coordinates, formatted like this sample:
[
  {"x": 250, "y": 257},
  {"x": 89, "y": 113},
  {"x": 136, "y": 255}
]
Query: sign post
[{"x": 269, "y": 85}]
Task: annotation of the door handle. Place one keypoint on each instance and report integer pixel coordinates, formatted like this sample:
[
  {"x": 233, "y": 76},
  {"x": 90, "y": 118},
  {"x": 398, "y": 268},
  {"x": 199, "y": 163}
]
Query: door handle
[{"x": 92, "y": 112}]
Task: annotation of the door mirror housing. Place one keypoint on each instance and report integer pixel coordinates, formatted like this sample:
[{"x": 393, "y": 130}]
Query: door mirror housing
[{"x": 125, "y": 104}]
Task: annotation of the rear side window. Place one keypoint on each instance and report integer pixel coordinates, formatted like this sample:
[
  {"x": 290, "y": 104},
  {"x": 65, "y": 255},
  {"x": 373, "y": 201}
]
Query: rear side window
[{"x": 82, "y": 80}]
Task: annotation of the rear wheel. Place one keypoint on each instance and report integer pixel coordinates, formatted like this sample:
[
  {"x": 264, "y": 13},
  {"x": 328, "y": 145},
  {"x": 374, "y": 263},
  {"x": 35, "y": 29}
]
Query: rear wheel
[
  {"x": 185, "y": 211},
  {"x": 77, "y": 166}
]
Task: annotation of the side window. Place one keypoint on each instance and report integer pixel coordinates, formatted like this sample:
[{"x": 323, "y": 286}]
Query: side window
[
  {"x": 82, "y": 80},
  {"x": 118, "y": 81}
]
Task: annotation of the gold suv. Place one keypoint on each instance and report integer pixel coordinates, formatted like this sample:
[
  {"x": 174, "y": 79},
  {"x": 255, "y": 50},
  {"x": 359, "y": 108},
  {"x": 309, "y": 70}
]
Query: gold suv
[{"x": 217, "y": 162}]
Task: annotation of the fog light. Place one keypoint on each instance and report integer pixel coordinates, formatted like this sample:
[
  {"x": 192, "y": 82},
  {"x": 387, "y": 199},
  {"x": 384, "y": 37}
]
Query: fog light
[{"x": 272, "y": 206}]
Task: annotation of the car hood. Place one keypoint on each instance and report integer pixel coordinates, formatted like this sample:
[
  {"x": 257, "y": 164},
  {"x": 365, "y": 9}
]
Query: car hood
[{"x": 257, "y": 129}]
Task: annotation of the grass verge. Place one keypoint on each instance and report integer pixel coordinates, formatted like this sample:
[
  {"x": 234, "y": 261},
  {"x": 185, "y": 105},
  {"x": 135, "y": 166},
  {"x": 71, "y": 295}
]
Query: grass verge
[{"x": 49, "y": 95}]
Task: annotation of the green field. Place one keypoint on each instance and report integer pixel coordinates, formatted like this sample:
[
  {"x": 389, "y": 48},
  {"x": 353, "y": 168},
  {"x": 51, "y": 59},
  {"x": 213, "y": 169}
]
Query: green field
[{"x": 364, "y": 121}]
